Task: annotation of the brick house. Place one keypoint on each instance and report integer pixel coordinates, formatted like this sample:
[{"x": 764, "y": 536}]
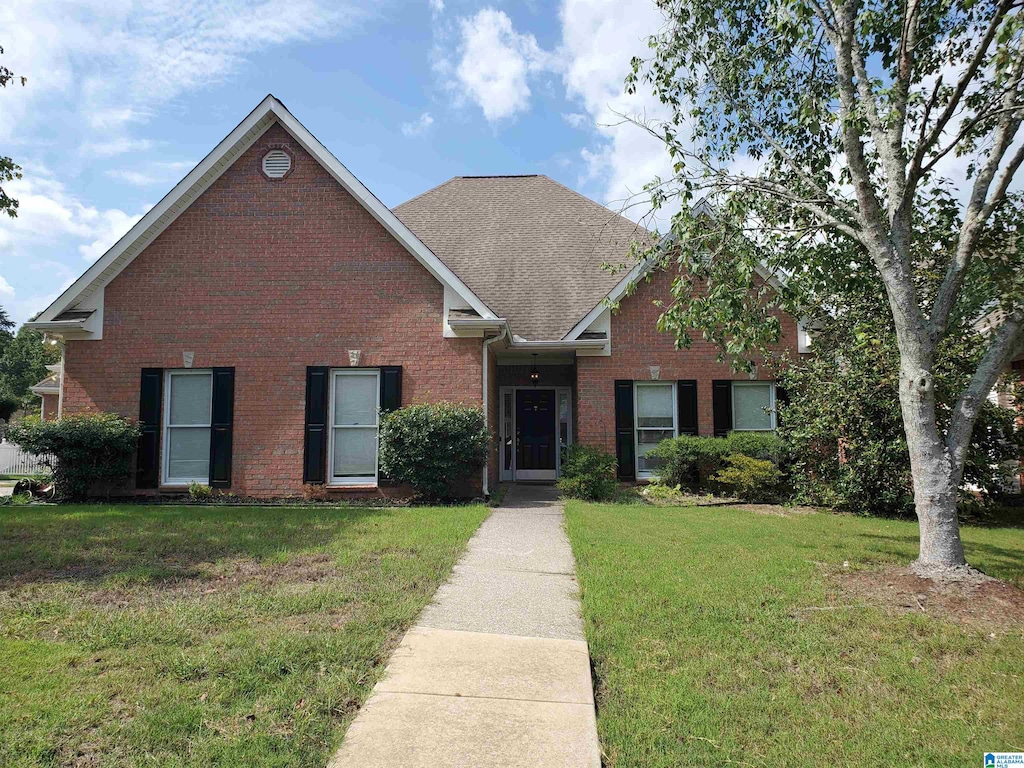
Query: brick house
[{"x": 259, "y": 317}]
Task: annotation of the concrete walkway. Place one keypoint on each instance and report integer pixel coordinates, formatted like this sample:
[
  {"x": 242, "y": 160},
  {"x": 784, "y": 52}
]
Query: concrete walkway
[{"x": 496, "y": 672}]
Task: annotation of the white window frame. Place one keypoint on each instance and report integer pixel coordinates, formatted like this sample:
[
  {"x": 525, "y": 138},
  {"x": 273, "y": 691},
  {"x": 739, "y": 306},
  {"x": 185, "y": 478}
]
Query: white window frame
[
  {"x": 165, "y": 464},
  {"x": 646, "y": 474},
  {"x": 342, "y": 481},
  {"x": 771, "y": 403}
]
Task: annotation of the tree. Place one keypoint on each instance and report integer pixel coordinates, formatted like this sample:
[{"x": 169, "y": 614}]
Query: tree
[
  {"x": 23, "y": 364},
  {"x": 841, "y": 422},
  {"x": 6, "y": 326},
  {"x": 820, "y": 133},
  {"x": 8, "y": 169}
]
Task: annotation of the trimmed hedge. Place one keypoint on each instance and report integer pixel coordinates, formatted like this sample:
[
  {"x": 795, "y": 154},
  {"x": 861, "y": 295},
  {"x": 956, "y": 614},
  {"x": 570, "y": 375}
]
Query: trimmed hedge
[
  {"x": 697, "y": 462},
  {"x": 433, "y": 447},
  {"x": 93, "y": 451},
  {"x": 588, "y": 473}
]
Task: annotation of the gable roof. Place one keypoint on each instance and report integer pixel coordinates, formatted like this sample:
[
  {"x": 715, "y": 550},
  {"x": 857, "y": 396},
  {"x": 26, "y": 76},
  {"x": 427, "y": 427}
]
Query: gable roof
[
  {"x": 86, "y": 292},
  {"x": 530, "y": 247}
]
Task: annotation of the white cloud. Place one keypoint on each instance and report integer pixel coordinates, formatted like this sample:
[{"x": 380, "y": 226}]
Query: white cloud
[
  {"x": 575, "y": 119},
  {"x": 436, "y": 7},
  {"x": 495, "y": 63},
  {"x": 117, "y": 146},
  {"x": 599, "y": 38},
  {"x": 154, "y": 173},
  {"x": 108, "y": 65},
  {"x": 109, "y": 226},
  {"x": 6, "y": 289},
  {"x": 418, "y": 126},
  {"x": 48, "y": 214}
]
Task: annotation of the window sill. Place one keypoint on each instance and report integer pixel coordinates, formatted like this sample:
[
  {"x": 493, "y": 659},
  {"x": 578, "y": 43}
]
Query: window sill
[{"x": 351, "y": 486}]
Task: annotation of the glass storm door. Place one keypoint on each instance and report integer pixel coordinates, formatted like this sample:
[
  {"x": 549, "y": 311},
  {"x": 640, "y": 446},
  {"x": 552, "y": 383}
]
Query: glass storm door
[{"x": 536, "y": 434}]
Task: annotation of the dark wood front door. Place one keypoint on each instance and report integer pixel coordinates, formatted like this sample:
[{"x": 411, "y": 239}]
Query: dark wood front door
[{"x": 536, "y": 419}]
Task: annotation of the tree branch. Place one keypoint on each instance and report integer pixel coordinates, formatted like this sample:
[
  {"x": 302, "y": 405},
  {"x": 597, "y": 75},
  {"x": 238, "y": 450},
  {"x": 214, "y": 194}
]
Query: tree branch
[
  {"x": 958, "y": 93},
  {"x": 1007, "y": 342},
  {"x": 979, "y": 208}
]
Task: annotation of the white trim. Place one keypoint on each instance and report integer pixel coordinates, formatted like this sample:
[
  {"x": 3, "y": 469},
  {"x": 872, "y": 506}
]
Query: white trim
[
  {"x": 345, "y": 481},
  {"x": 165, "y": 442},
  {"x": 245, "y": 134},
  {"x": 616, "y": 293},
  {"x": 647, "y": 474},
  {"x": 513, "y": 473},
  {"x": 621, "y": 288},
  {"x": 771, "y": 403}
]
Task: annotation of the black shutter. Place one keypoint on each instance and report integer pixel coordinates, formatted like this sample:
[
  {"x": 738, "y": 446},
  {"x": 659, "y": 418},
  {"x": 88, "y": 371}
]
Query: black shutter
[
  {"x": 686, "y": 394},
  {"x": 147, "y": 472},
  {"x": 624, "y": 452},
  {"x": 390, "y": 400},
  {"x": 222, "y": 427},
  {"x": 722, "y": 406},
  {"x": 314, "y": 463},
  {"x": 781, "y": 398},
  {"x": 390, "y": 387}
]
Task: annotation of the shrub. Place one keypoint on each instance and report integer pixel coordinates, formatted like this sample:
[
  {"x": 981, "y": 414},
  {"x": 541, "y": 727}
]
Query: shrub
[
  {"x": 90, "y": 450},
  {"x": 694, "y": 462},
  {"x": 750, "y": 479},
  {"x": 433, "y": 447},
  {"x": 588, "y": 473},
  {"x": 657, "y": 493},
  {"x": 199, "y": 492}
]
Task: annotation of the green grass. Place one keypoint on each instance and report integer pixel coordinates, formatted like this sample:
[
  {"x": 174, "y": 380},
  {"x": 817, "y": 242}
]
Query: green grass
[
  {"x": 703, "y": 656},
  {"x": 174, "y": 636}
]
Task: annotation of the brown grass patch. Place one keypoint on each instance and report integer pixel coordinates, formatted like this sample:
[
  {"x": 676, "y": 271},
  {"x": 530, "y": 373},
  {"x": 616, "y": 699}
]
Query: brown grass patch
[
  {"x": 988, "y": 604},
  {"x": 777, "y": 510}
]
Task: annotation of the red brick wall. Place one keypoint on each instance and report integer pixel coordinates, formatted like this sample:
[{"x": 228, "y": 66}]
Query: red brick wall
[
  {"x": 271, "y": 277},
  {"x": 637, "y": 345},
  {"x": 48, "y": 411}
]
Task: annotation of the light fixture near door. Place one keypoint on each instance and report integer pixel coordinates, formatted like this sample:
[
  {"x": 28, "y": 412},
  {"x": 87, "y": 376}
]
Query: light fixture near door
[{"x": 534, "y": 373}]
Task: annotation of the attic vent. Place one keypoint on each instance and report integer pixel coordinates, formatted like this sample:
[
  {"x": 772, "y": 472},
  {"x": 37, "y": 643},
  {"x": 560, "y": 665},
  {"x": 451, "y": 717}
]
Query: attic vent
[{"x": 276, "y": 164}]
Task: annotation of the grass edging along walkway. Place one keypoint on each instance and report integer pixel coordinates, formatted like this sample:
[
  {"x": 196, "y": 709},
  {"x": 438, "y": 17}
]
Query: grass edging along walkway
[
  {"x": 720, "y": 636},
  {"x": 205, "y": 636}
]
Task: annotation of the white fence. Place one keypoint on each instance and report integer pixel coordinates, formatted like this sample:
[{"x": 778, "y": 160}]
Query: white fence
[{"x": 14, "y": 461}]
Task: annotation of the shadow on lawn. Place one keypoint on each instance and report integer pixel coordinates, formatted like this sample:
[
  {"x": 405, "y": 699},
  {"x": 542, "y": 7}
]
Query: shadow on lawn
[
  {"x": 1001, "y": 562},
  {"x": 158, "y": 544}
]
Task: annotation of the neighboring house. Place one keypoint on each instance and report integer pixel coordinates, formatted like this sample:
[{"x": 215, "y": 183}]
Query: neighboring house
[
  {"x": 258, "y": 318},
  {"x": 49, "y": 392}
]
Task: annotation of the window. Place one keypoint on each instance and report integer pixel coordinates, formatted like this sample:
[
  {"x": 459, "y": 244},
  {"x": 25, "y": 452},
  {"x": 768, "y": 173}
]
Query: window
[
  {"x": 564, "y": 410},
  {"x": 355, "y": 405},
  {"x": 753, "y": 406},
  {"x": 187, "y": 415},
  {"x": 655, "y": 420}
]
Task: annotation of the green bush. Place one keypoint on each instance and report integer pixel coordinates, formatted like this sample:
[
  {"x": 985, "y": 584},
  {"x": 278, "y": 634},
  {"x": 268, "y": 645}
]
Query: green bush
[
  {"x": 199, "y": 492},
  {"x": 694, "y": 462},
  {"x": 92, "y": 451},
  {"x": 749, "y": 479},
  {"x": 588, "y": 473},
  {"x": 433, "y": 447}
]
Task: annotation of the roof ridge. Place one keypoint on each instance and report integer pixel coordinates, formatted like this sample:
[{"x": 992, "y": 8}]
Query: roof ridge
[
  {"x": 614, "y": 214},
  {"x": 427, "y": 192},
  {"x": 501, "y": 176}
]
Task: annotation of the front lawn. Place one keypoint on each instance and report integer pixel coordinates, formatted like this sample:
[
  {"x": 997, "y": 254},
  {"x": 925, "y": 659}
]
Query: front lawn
[
  {"x": 174, "y": 636},
  {"x": 725, "y": 637}
]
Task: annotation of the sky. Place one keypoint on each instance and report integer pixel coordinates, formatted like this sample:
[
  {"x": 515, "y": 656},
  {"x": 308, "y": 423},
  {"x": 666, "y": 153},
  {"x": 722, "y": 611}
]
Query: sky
[{"x": 124, "y": 98}]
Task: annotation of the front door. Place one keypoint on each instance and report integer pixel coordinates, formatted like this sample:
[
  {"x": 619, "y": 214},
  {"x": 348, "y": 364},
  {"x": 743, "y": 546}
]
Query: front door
[{"x": 536, "y": 429}]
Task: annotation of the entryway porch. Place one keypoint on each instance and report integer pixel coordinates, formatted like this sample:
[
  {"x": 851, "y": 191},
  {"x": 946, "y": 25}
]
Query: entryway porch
[{"x": 535, "y": 416}]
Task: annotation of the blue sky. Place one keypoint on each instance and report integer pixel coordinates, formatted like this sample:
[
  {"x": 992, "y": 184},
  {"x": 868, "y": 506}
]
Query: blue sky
[{"x": 124, "y": 98}]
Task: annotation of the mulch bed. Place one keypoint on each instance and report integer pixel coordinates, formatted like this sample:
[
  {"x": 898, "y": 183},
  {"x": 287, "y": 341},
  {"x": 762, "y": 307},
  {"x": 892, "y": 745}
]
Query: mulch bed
[{"x": 975, "y": 600}]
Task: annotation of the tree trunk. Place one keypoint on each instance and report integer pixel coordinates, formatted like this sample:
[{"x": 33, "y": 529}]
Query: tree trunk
[{"x": 935, "y": 494}]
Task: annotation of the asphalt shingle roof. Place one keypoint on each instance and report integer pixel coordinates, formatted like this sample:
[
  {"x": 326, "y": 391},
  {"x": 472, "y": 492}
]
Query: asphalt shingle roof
[{"x": 528, "y": 246}]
